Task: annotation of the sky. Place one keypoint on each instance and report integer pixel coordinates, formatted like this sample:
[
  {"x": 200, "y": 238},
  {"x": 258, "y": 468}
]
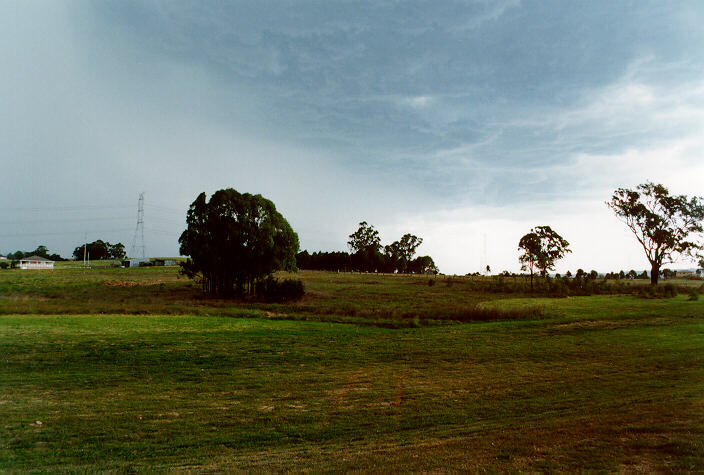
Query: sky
[{"x": 465, "y": 123}]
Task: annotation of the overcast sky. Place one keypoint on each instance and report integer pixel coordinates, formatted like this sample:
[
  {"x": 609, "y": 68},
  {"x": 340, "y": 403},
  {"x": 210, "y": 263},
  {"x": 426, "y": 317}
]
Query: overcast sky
[{"x": 465, "y": 123}]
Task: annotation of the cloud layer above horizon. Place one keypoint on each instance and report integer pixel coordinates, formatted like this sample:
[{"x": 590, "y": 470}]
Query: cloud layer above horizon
[{"x": 451, "y": 120}]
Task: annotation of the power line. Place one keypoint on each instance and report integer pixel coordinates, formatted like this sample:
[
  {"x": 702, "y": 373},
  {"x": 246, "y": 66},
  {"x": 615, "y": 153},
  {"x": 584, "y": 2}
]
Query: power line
[
  {"x": 63, "y": 220},
  {"x": 67, "y": 208},
  {"x": 62, "y": 233}
]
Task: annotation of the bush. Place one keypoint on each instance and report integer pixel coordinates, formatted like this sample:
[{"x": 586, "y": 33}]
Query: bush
[
  {"x": 657, "y": 292},
  {"x": 4, "y": 265},
  {"x": 273, "y": 290}
]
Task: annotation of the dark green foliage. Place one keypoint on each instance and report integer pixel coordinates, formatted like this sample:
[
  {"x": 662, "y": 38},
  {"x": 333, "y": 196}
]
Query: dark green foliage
[
  {"x": 422, "y": 265},
  {"x": 665, "y": 225},
  {"x": 41, "y": 251},
  {"x": 4, "y": 265},
  {"x": 235, "y": 240},
  {"x": 657, "y": 292},
  {"x": 398, "y": 254},
  {"x": 273, "y": 290},
  {"x": 693, "y": 295},
  {"x": 365, "y": 245},
  {"x": 366, "y": 255},
  {"x": 540, "y": 248},
  {"x": 338, "y": 261},
  {"x": 99, "y": 250}
]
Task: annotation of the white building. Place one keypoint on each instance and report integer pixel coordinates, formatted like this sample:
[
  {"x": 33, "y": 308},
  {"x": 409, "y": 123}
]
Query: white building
[{"x": 36, "y": 262}]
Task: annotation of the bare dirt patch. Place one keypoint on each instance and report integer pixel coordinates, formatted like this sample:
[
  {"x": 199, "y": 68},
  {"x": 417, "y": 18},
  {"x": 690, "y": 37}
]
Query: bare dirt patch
[{"x": 132, "y": 283}]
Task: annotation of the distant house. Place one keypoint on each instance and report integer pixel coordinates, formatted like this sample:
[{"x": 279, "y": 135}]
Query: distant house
[
  {"x": 3, "y": 258},
  {"x": 36, "y": 262}
]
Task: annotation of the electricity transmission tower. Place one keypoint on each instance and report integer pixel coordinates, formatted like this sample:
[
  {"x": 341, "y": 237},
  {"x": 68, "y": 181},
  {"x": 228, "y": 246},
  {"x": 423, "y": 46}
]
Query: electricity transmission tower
[{"x": 139, "y": 231}]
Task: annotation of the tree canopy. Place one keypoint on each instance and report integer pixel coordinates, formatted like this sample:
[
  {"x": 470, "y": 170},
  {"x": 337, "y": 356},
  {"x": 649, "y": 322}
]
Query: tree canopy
[
  {"x": 541, "y": 247},
  {"x": 100, "y": 250},
  {"x": 665, "y": 225},
  {"x": 234, "y": 241},
  {"x": 41, "y": 251},
  {"x": 398, "y": 254}
]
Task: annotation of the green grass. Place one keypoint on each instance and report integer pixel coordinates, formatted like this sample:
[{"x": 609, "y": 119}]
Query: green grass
[
  {"x": 601, "y": 383},
  {"x": 390, "y": 300}
]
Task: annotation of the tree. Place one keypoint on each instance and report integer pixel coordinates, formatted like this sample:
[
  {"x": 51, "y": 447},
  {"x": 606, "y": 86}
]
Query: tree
[
  {"x": 100, "y": 250},
  {"x": 399, "y": 254},
  {"x": 422, "y": 265},
  {"x": 41, "y": 251},
  {"x": 541, "y": 248},
  {"x": 117, "y": 251},
  {"x": 664, "y": 224},
  {"x": 235, "y": 241},
  {"x": 365, "y": 245}
]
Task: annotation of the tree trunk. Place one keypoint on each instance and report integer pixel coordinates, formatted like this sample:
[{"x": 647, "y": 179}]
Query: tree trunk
[
  {"x": 531, "y": 280},
  {"x": 654, "y": 273}
]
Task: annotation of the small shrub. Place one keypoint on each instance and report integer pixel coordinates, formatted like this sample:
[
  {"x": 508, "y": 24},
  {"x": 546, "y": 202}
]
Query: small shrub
[
  {"x": 431, "y": 282},
  {"x": 693, "y": 295},
  {"x": 4, "y": 265},
  {"x": 273, "y": 290},
  {"x": 657, "y": 292},
  {"x": 669, "y": 291}
]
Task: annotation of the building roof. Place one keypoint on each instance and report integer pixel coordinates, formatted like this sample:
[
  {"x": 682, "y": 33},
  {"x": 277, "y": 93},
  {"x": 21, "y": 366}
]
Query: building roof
[{"x": 36, "y": 258}]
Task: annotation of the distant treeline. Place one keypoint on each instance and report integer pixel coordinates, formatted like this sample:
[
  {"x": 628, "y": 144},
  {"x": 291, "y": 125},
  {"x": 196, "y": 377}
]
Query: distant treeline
[
  {"x": 368, "y": 255},
  {"x": 340, "y": 261},
  {"x": 41, "y": 251},
  {"x": 593, "y": 275}
]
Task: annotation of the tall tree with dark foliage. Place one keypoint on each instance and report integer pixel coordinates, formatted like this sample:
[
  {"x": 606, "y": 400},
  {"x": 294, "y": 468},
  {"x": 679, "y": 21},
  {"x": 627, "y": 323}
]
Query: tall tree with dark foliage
[{"x": 234, "y": 241}]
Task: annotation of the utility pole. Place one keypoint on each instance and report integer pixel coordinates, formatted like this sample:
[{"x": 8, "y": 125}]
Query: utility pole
[{"x": 85, "y": 249}]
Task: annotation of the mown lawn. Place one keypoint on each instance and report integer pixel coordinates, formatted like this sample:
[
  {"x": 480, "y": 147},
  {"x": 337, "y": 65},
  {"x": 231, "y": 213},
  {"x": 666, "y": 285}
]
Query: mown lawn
[{"x": 597, "y": 383}]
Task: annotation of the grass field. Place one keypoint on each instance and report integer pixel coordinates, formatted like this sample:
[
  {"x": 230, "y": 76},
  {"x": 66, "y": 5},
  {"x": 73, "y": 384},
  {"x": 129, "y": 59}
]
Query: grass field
[{"x": 166, "y": 380}]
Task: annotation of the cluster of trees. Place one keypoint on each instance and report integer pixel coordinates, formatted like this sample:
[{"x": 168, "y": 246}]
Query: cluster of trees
[
  {"x": 41, "y": 251},
  {"x": 99, "y": 250},
  {"x": 341, "y": 261},
  {"x": 665, "y": 225},
  {"x": 237, "y": 240},
  {"x": 632, "y": 274},
  {"x": 368, "y": 255},
  {"x": 234, "y": 242}
]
